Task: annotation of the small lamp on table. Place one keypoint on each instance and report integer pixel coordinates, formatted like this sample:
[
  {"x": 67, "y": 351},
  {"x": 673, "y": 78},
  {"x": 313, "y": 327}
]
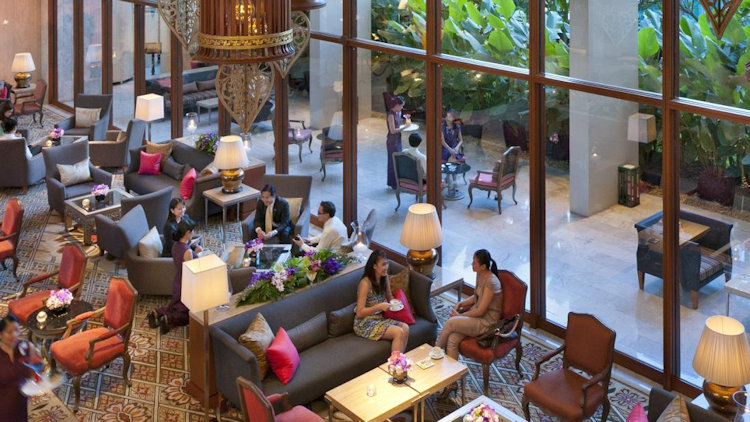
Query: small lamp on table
[
  {"x": 149, "y": 108},
  {"x": 231, "y": 157},
  {"x": 422, "y": 233},
  {"x": 22, "y": 66}
]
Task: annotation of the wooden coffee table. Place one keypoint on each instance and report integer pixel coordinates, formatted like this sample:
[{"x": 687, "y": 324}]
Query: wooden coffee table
[{"x": 506, "y": 414}]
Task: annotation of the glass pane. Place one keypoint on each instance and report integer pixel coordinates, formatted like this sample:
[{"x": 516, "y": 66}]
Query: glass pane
[
  {"x": 158, "y": 69},
  {"x": 400, "y": 22},
  {"x": 328, "y": 18},
  {"x": 123, "y": 72},
  {"x": 92, "y": 47},
  {"x": 599, "y": 196},
  {"x": 65, "y": 55}
]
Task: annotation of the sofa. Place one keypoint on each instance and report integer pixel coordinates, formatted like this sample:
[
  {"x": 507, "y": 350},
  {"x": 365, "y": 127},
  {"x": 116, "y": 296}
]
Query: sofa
[
  {"x": 330, "y": 362},
  {"x": 287, "y": 186},
  {"x": 198, "y": 84},
  {"x": 659, "y": 399}
]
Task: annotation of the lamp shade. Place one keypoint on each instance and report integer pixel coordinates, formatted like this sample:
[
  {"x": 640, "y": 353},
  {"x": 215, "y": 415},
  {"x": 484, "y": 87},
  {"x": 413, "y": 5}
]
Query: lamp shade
[
  {"x": 204, "y": 283},
  {"x": 94, "y": 53},
  {"x": 231, "y": 153},
  {"x": 149, "y": 107},
  {"x": 641, "y": 127},
  {"x": 723, "y": 355},
  {"x": 22, "y": 62},
  {"x": 422, "y": 229}
]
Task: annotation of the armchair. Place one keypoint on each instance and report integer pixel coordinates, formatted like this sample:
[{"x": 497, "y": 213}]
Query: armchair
[
  {"x": 151, "y": 276},
  {"x": 18, "y": 169},
  {"x": 331, "y": 151},
  {"x": 287, "y": 186},
  {"x": 304, "y": 135},
  {"x": 33, "y": 104},
  {"x": 10, "y": 232},
  {"x": 589, "y": 349},
  {"x": 257, "y": 407},
  {"x": 57, "y": 193},
  {"x": 409, "y": 177},
  {"x": 114, "y": 151},
  {"x": 95, "y": 347},
  {"x": 98, "y": 131},
  {"x": 502, "y": 177}
]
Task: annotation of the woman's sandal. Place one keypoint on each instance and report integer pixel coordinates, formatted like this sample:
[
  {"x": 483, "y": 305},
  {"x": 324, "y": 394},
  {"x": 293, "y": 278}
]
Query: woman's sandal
[
  {"x": 163, "y": 324},
  {"x": 152, "y": 319}
]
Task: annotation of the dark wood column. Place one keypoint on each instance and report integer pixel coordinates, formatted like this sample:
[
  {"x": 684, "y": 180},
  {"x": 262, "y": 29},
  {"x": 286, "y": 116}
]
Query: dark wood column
[
  {"x": 107, "y": 50},
  {"x": 139, "y": 55},
  {"x": 281, "y": 123},
  {"x": 175, "y": 95},
  {"x": 52, "y": 82},
  {"x": 350, "y": 112},
  {"x": 78, "y": 54}
]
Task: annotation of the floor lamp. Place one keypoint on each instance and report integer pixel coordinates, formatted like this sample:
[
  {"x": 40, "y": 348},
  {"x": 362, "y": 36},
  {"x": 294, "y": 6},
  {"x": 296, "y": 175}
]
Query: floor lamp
[
  {"x": 149, "y": 108},
  {"x": 204, "y": 286}
]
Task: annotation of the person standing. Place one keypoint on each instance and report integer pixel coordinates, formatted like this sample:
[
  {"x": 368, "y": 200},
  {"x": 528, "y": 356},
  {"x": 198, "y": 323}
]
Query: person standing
[
  {"x": 334, "y": 231},
  {"x": 13, "y": 373},
  {"x": 393, "y": 140}
]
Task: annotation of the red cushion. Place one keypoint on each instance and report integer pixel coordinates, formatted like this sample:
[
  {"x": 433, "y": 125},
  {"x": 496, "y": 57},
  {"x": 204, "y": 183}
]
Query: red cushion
[
  {"x": 6, "y": 249},
  {"x": 298, "y": 414},
  {"x": 120, "y": 302},
  {"x": 409, "y": 185},
  {"x": 403, "y": 315},
  {"x": 188, "y": 184},
  {"x": 72, "y": 266},
  {"x": 12, "y": 218},
  {"x": 255, "y": 407},
  {"x": 150, "y": 163},
  {"x": 282, "y": 356},
  {"x": 25, "y": 306},
  {"x": 638, "y": 414},
  {"x": 470, "y": 348},
  {"x": 484, "y": 179},
  {"x": 71, "y": 352},
  {"x": 560, "y": 393}
]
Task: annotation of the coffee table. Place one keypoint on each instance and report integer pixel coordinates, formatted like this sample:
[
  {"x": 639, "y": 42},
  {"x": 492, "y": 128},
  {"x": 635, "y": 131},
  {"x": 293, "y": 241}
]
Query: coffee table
[
  {"x": 84, "y": 215},
  {"x": 209, "y": 104},
  {"x": 45, "y": 142},
  {"x": 269, "y": 256},
  {"x": 55, "y": 325},
  {"x": 452, "y": 169},
  {"x": 739, "y": 286},
  {"x": 506, "y": 414}
]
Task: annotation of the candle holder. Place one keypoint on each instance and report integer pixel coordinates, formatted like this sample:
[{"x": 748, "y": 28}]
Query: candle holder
[{"x": 191, "y": 123}]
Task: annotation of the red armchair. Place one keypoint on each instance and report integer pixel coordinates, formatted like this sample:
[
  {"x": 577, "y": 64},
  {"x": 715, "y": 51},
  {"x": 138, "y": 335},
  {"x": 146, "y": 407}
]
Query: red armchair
[
  {"x": 96, "y": 347},
  {"x": 507, "y": 335},
  {"x": 502, "y": 177},
  {"x": 257, "y": 407},
  {"x": 589, "y": 349},
  {"x": 69, "y": 276},
  {"x": 10, "y": 231}
]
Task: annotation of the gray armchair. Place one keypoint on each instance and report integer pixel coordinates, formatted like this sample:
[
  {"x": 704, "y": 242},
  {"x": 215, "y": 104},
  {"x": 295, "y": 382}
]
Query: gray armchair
[
  {"x": 98, "y": 131},
  {"x": 287, "y": 186},
  {"x": 114, "y": 153},
  {"x": 18, "y": 170},
  {"x": 57, "y": 193}
]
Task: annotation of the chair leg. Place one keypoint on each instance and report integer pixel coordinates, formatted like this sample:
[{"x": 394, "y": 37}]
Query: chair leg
[
  {"x": 727, "y": 276},
  {"x": 514, "y": 193},
  {"x": 300, "y": 151},
  {"x": 525, "y": 405},
  {"x": 641, "y": 279},
  {"x": 309, "y": 144},
  {"x": 519, "y": 355},
  {"x": 471, "y": 196},
  {"x": 15, "y": 270},
  {"x": 323, "y": 168},
  {"x": 486, "y": 378},
  {"x": 693, "y": 298},
  {"x": 126, "y": 368},
  {"x": 25, "y": 189},
  {"x": 398, "y": 199},
  {"x": 77, "y": 390},
  {"x": 41, "y": 117},
  {"x": 499, "y": 202},
  {"x": 605, "y": 409}
]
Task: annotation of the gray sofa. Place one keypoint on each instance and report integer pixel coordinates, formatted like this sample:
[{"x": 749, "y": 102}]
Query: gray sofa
[
  {"x": 19, "y": 171},
  {"x": 327, "y": 364},
  {"x": 659, "y": 399}
]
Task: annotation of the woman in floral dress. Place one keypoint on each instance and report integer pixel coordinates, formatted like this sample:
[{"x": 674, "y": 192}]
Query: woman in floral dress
[{"x": 373, "y": 296}]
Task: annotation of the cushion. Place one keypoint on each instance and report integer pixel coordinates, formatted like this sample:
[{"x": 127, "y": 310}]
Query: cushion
[
  {"x": 310, "y": 332},
  {"x": 23, "y": 307},
  {"x": 257, "y": 338},
  {"x": 189, "y": 88},
  {"x": 676, "y": 411},
  {"x": 341, "y": 321},
  {"x": 282, "y": 356},
  {"x": 403, "y": 315},
  {"x": 560, "y": 393},
  {"x": 400, "y": 280},
  {"x": 206, "y": 85},
  {"x": 209, "y": 169},
  {"x": 122, "y": 136},
  {"x": 638, "y": 414},
  {"x": 484, "y": 179},
  {"x": 87, "y": 117},
  {"x": 188, "y": 184},
  {"x": 150, "y": 163},
  {"x": 173, "y": 169},
  {"x": 73, "y": 174},
  {"x": 709, "y": 267},
  {"x": 165, "y": 149},
  {"x": 295, "y": 205},
  {"x": 71, "y": 352},
  {"x": 150, "y": 245}
]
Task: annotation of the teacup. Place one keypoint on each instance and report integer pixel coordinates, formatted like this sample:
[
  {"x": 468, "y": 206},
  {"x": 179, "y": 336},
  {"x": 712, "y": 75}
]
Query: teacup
[{"x": 437, "y": 352}]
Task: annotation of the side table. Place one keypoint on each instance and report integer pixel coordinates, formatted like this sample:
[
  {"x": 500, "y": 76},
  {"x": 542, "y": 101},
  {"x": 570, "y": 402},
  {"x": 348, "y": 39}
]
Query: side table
[
  {"x": 739, "y": 286},
  {"x": 55, "y": 326},
  {"x": 446, "y": 279},
  {"x": 701, "y": 402},
  {"x": 225, "y": 200}
]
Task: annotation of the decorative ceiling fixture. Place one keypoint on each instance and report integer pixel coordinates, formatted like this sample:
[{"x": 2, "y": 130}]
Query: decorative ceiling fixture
[
  {"x": 301, "y": 30},
  {"x": 719, "y": 13},
  {"x": 182, "y": 17}
]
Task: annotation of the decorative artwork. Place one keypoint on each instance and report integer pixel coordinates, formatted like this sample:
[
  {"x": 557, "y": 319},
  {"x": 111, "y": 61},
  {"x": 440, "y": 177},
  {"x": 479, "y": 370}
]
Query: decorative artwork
[{"x": 719, "y": 13}]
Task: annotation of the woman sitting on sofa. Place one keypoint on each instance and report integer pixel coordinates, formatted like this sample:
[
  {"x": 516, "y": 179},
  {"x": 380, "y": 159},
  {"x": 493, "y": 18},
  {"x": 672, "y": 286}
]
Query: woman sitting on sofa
[
  {"x": 177, "y": 214},
  {"x": 373, "y": 297}
]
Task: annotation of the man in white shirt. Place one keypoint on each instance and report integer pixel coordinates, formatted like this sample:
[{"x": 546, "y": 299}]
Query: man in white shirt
[
  {"x": 334, "y": 231},
  {"x": 414, "y": 141}
]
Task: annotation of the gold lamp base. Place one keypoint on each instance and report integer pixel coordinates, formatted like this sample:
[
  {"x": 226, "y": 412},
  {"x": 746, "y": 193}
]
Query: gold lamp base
[
  {"x": 719, "y": 397},
  {"x": 423, "y": 262},
  {"x": 22, "y": 79},
  {"x": 231, "y": 180}
]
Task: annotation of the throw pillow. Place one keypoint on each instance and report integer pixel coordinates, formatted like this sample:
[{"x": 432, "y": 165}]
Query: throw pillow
[
  {"x": 341, "y": 321},
  {"x": 638, "y": 414},
  {"x": 206, "y": 85},
  {"x": 87, "y": 117},
  {"x": 676, "y": 411},
  {"x": 209, "y": 169},
  {"x": 122, "y": 136},
  {"x": 189, "y": 88},
  {"x": 257, "y": 338},
  {"x": 173, "y": 169},
  {"x": 295, "y": 206},
  {"x": 403, "y": 315},
  {"x": 149, "y": 163},
  {"x": 188, "y": 184},
  {"x": 150, "y": 245},
  {"x": 73, "y": 174},
  {"x": 165, "y": 149},
  {"x": 283, "y": 357},
  {"x": 310, "y": 332},
  {"x": 400, "y": 280}
]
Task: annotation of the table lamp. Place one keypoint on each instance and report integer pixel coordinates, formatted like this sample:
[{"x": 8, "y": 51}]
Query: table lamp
[
  {"x": 230, "y": 159},
  {"x": 22, "y": 65},
  {"x": 204, "y": 286},
  {"x": 422, "y": 234},
  {"x": 641, "y": 128},
  {"x": 149, "y": 108},
  {"x": 723, "y": 360}
]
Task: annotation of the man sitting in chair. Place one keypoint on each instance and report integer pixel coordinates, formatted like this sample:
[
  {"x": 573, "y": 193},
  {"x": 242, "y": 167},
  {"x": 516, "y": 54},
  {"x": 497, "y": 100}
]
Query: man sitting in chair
[
  {"x": 272, "y": 223},
  {"x": 414, "y": 141},
  {"x": 334, "y": 231}
]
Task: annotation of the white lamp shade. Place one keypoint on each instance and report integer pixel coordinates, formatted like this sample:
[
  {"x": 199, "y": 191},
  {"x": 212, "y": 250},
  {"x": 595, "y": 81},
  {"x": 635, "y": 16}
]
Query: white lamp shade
[
  {"x": 22, "y": 62},
  {"x": 723, "y": 355},
  {"x": 641, "y": 127},
  {"x": 204, "y": 283},
  {"x": 94, "y": 53},
  {"x": 231, "y": 153},
  {"x": 149, "y": 107},
  {"x": 422, "y": 230}
]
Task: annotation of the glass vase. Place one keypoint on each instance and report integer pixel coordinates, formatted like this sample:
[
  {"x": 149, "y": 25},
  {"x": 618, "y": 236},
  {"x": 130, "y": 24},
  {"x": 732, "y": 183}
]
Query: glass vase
[{"x": 742, "y": 414}]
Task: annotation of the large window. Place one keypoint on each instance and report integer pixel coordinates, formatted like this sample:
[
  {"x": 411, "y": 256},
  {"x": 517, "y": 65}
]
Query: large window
[
  {"x": 92, "y": 47},
  {"x": 64, "y": 52}
]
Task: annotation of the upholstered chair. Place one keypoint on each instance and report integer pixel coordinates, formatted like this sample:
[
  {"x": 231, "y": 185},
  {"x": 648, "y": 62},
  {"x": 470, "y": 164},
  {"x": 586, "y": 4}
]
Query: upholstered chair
[
  {"x": 97, "y": 131},
  {"x": 506, "y": 336},
  {"x": 114, "y": 152},
  {"x": 502, "y": 177},
  {"x": 69, "y": 276},
  {"x": 95, "y": 347},
  {"x": 257, "y": 407},
  {"x": 10, "y": 232},
  {"x": 299, "y": 135},
  {"x": 33, "y": 105},
  {"x": 574, "y": 391},
  {"x": 18, "y": 169},
  {"x": 331, "y": 151},
  {"x": 287, "y": 186},
  {"x": 409, "y": 177}
]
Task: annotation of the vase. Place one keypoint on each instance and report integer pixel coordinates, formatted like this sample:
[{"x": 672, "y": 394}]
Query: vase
[
  {"x": 59, "y": 311},
  {"x": 399, "y": 378},
  {"x": 100, "y": 198}
]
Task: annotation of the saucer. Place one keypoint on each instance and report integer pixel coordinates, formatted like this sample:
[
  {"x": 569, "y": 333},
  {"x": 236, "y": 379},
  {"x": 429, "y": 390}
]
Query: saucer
[
  {"x": 436, "y": 356},
  {"x": 395, "y": 307},
  {"x": 412, "y": 127}
]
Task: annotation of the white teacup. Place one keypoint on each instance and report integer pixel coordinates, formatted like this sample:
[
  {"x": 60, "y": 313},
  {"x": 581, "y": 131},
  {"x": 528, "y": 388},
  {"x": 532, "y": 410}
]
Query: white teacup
[{"x": 437, "y": 352}]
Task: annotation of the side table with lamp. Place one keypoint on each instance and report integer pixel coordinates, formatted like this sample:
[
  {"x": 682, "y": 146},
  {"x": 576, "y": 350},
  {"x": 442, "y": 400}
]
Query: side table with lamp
[
  {"x": 22, "y": 66},
  {"x": 422, "y": 233}
]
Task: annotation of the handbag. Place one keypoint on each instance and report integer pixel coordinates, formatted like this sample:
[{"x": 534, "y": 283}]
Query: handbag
[{"x": 492, "y": 337}]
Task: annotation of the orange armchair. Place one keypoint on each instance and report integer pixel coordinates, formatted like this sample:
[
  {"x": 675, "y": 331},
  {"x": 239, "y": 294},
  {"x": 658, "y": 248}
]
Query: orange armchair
[
  {"x": 502, "y": 177},
  {"x": 10, "y": 232},
  {"x": 257, "y": 407},
  {"x": 589, "y": 348},
  {"x": 69, "y": 276},
  {"x": 96, "y": 347},
  {"x": 507, "y": 334}
]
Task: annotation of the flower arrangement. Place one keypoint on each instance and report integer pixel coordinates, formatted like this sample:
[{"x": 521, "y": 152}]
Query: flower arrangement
[
  {"x": 295, "y": 273},
  {"x": 208, "y": 143},
  {"x": 254, "y": 245},
  {"x": 482, "y": 413},
  {"x": 399, "y": 365},
  {"x": 56, "y": 133},
  {"x": 100, "y": 190},
  {"x": 59, "y": 299}
]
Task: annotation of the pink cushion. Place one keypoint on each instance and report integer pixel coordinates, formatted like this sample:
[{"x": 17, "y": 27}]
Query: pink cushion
[
  {"x": 484, "y": 179},
  {"x": 282, "y": 356},
  {"x": 188, "y": 184},
  {"x": 403, "y": 315},
  {"x": 150, "y": 163},
  {"x": 638, "y": 414},
  {"x": 410, "y": 185}
]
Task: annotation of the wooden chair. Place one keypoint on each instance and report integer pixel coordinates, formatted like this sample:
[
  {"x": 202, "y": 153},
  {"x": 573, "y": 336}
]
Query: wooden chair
[
  {"x": 34, "y": 104},
  {"x": 95, "y": 347},
  {"x": 331, "y": 151},
  {"x": 299, "y": 139},
  {"x": 502, "y": 177},
  {"x": 506, "y": 335},
  {"x": 10, "y": 232},
  {"x": 409, "y": 177},
  {"x": 257, "y": 407},
  {"x": 589, "y": 348}
]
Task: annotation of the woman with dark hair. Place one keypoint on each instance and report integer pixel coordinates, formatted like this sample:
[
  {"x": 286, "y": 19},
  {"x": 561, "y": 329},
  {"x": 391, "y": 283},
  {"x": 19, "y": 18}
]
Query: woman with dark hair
[
  {"x": 177, "y": 214},
  {"x": 6, "y": 110},
  {"x": 13, "y": 373},
  {"x": 175, "y": 314},
  {"x": 373, "y": 297},
  {"x": 451, "y": 137},
  {"x": 393, "y": 140}
]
